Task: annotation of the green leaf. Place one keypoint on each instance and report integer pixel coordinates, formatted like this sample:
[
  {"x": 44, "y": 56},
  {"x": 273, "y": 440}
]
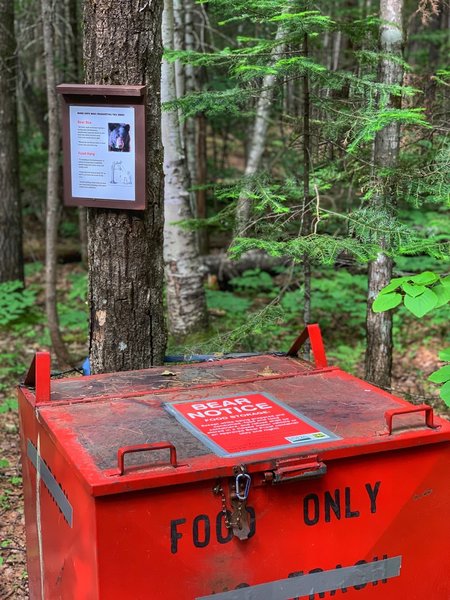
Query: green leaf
[
  {"x": 386, "y": 302},
  {"x": 425, "y": 278},
  {"x": 441, "y": 375},
  {"x": 393, "y": 285},
  {"x": 413, "y": 290},
  {"x": 444, "y": 354},
  {"x": 443, "y": 294},
  {"x": 446, "y": 281},
  {"x": 422, "y": 304},
  {"x": 445, "y": 393}
]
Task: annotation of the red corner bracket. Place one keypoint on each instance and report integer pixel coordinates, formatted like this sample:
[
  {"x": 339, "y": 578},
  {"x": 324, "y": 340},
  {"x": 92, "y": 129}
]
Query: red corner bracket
[
  {"x": 38, "y": 376},
  {"x": 315, "y": 337}
]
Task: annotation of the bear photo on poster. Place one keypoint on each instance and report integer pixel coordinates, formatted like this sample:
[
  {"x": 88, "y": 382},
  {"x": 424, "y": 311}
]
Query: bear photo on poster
[{"x": 119, "y": 137}]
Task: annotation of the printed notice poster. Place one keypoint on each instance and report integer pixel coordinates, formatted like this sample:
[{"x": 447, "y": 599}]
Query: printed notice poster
[
  {"x": 102, "y": 152},
  {"x": 249, "y": 423}
]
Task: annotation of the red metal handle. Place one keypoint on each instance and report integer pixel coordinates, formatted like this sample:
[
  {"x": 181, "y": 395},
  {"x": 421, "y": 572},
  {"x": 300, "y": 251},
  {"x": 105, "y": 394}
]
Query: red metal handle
[
  {"x": 429, "y": 415},
  {"x": 315, "y": 337},
  {"x": 142, "y": 448},
  {"x": 38, "y": 376}
]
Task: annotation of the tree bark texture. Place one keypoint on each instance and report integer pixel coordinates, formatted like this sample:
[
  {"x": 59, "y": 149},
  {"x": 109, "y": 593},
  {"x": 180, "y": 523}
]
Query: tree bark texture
[
  {"x": 11, "y": 257},
  {"x": 185, "y": 293},
  {"x": 72, "y": 40},
  {"x": 53, "y": 208},
  {"x": 127, "y": 330},
  {"x": 259, "y": 135},
  {"x": 201, "y": 160},
  {"x": 378, "y": 365}
]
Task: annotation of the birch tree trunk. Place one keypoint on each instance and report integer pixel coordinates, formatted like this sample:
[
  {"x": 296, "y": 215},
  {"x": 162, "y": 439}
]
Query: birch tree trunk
[
  {"x": 11, "y": 257},
  {"x": 127, "y": 330},
  {"x": 53, "y": 187},
  {"x": 259, "y": 136},
  {"x": 185, "y": 293},
  {"x": 378, "y": 365}
]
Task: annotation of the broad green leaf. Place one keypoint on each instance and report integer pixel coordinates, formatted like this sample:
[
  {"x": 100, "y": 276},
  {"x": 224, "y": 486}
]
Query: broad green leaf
[
  {"x": 386, "y": 302},
  {"x": 444, "y": 354},
  {"x": 445, "y": 393},
  {"x": 393, "y": 285},
  {"x": 441, "y": 375},
  {"x": 425, "y": 278},
  {"x": 443, "y": 294},
  {"x": 422, "y": 304},
  {"x": 413, "y": 290},
  {"x": 446, "y": 281}
]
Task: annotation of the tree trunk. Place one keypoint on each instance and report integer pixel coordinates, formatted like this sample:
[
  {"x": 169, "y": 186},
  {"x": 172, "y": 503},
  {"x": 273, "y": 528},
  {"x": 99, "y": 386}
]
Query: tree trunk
[
  {"x": 259, "y": 135},
  {"x": 11, "y": 257},
  {"x": 185, "y": 293},
  {"x": 195, "y": 128},
  {"x": 306, "y": 217},
  {"x": 72, "y": 40},
  {"x": 82, "y": 228},
  {"x": 53, "y": 188},
  {"x": 200, "y": 130},
  {"x": 386, "y": 149},
  {"x": 191, "y": 85},
  {"x": 127, "y": 330},
  {"x": 178, "y": 44}
]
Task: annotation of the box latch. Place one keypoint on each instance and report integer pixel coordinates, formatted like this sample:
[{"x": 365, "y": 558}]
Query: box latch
[{"x": 294, "y": 469}]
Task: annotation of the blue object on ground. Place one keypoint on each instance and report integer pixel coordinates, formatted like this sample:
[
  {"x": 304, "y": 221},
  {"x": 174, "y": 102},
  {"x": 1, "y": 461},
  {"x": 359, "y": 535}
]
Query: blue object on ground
[{"x": 86, "y": 366}]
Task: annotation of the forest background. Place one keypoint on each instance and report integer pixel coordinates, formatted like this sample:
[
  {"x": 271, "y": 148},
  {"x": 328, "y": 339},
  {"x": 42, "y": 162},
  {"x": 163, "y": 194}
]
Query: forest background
[{"x": 311, "y": 154}]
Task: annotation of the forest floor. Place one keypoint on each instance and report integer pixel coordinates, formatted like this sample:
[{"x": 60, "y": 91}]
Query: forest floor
[{"x": 415, "y": 357}]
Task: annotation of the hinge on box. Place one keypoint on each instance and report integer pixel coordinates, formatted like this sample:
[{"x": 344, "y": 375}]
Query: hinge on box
[{"x": 294, "y": 469}]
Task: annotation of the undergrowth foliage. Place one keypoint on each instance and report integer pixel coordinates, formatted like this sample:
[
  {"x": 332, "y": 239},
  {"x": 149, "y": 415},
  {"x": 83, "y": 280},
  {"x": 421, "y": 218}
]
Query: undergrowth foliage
[
  {"x": 420, "y": 294},
  {"x": 15, "y": 302}
]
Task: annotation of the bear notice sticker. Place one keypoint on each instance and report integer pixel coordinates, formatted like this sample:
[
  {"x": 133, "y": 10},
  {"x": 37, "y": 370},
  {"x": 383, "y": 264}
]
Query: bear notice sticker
[{"x": 248, "y": 423}]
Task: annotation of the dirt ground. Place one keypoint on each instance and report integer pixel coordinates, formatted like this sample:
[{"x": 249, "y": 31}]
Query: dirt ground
[
  {"x": 13, "y": 573},
  {"x": 13, "y": 576}
]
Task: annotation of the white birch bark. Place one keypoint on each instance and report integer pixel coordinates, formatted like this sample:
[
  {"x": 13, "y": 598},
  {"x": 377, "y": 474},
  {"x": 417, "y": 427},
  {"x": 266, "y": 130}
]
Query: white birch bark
[
  {"x": 386, "y": 149},
  {"x": 185, "y": 293},
  {"x": 259, "y": 135}
]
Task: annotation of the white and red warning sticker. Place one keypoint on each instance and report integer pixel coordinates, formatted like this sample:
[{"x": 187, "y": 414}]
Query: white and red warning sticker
[{"x": 248, "y": 423}]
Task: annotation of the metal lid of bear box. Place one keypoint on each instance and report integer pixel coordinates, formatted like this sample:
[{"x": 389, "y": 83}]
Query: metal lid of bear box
[{"x": 211, "y": 416}]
